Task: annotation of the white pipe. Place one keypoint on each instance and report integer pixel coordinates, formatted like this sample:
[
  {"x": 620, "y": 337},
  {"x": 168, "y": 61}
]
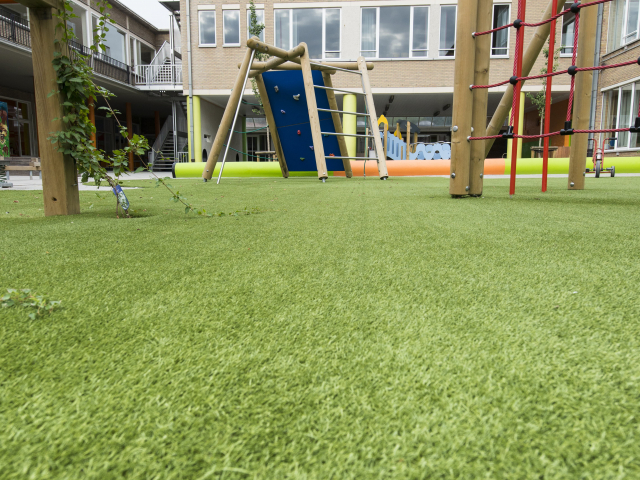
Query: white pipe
[{"x": 191, "y": 129}]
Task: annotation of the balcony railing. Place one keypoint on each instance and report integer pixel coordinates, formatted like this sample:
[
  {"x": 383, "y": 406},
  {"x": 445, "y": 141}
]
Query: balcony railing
[
  {"x": 167, "y": 75},
  {"x": 13, "y": 28},
  {"x": 103, "y": 64}
]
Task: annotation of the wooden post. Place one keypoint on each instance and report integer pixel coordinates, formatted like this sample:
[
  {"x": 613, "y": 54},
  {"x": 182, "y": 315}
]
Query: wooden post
[
  {"x": 534, "y": 47},
  {"x": 92, "y": 119},
  {"x": 129, "y": 131},
  {"x": 337, "y": 124},
  {"x": 156, "y": 118},
  {"x": 227, "y": 118},
  {"x": 271, "y": 122},
  {"x": 59, "y": 175},
  {"x": 375, "y": 131},
  {"x": 385, "y": 132},
  {"x": 408, "y": 141},
  {"x": 414, "y": 147},
  {"x": 480, "y": 96},
  {"x": 314, "y": 120},
  {"x": 462, "y": 98},
  {"x": 582, "y": 97}
]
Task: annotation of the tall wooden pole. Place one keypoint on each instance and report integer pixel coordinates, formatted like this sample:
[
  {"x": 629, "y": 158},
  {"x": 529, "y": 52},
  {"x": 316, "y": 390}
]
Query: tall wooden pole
[
  {"x": 59, "y": 174},
  {"x": 383, "y": 173},
  {"x": 582, "y": 97},
  {"x": 462, "y": 98},
  {"x": 408, "y": 141},
  {"x": 480, "y": 96},
  {"x": 227, "y": 118},
  {"x": 314, "y": 119},
  {"x": 271, "y": 125},
  {"x": 534, "y": 47},
  {"x": 129, "y": 131},
  {"x": 337, "y": 124}
]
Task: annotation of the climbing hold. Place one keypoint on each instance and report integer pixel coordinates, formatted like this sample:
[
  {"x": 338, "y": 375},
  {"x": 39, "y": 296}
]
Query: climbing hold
[
  {"x": 302, "y": 159},
  {"x": 299, "y": 132},
  {"x": 282, "y": 111},
  {"x": 311, "y": 147},
  {"x": 296, "y": 97},
  {"x": 276, "y": 88},
  {"x": 331, "y": 155}
]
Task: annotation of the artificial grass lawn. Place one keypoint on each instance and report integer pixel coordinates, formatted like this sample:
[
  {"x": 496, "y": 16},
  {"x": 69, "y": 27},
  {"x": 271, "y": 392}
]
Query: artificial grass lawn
[{"x": 356, "y": 329}]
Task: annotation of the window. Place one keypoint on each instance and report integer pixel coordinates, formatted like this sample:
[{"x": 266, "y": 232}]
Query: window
[
  {"x": 447, "y": 31},
  {"x": 207, "y": 20},
  {"x": 568, "y": 24},
  {"x": 319, "y": 28},
  {"x": 500, "y": 39},
  {"x": 394, "y": 32},
  {"x": 116, "y": 44},
  {"x": 623, "y": 23},
  {"x": 141, "y": 54},
  {"x": 231, "y": 28},
  {"x": 619, "y": 109},
  {"x": 260, "y": 20}
]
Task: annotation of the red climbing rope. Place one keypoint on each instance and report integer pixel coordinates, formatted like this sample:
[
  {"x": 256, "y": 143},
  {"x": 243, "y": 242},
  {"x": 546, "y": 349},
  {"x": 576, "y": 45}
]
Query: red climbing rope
[
  {"x": 560, "y": 72},
  {"x": 538, "y": 24},
  {"x": 551, "y": 134},
  {"x": 573, "y": 64}
]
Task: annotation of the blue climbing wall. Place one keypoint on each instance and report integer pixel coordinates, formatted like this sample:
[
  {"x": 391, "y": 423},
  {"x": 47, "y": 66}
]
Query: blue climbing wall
[{"x": 292, "y": 116}]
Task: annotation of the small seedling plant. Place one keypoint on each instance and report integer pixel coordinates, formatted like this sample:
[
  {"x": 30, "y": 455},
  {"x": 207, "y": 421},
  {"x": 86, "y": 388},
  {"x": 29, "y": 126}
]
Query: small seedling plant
[{"x": 37, "y": 305}]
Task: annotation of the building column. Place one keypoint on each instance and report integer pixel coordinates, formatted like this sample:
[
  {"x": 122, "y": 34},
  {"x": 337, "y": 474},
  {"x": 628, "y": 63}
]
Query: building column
[
  {"x": 157, "y": 122},
  {"x": 196, "y": 154},
  {"x": 350, "y": 122},
  {"x": 129, "y": 131}
]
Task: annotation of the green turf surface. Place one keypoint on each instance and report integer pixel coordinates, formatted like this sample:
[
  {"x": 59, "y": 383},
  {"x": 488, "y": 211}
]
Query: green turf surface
[{"x": 351, "y": 330}]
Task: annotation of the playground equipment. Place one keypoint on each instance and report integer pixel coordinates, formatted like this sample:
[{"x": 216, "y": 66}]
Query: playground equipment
[
  {"x": 301, "y": 110},
  {"x": 598, "y": 159},
  {"x": 397, "y": 149},
  {"x": 471, "y": 78}
]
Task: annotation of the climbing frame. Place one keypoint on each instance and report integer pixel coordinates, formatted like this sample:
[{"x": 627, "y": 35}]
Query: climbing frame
[{"x": 301, "y": 111}]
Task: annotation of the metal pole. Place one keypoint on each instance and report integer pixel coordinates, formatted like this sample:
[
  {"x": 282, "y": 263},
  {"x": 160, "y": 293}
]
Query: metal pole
[
  {"x": 547, "y": 104},
  {"x": 235, "y": 117}
]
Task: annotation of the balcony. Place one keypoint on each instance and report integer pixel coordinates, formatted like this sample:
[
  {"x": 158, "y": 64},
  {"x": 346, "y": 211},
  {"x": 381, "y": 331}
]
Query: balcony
[{"x": 158, "y": 77}]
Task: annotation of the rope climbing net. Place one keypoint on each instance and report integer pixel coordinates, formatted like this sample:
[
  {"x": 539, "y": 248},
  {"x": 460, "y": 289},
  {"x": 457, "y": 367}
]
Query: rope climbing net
[{"x": 517, "y": 79}]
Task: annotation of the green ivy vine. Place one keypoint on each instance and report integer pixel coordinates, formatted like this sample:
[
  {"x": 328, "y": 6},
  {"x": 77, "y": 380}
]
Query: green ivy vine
[{"x": 77, "y": 91}]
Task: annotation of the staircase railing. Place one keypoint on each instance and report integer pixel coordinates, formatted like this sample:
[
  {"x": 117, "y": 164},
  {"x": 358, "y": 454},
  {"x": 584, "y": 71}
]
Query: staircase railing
[
  {"x": 165, "y": 74},
  {"x": 156, "y": 148}
]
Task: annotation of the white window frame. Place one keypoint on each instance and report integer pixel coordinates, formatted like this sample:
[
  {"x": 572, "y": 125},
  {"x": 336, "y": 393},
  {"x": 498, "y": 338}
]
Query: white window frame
[
  {"x": 324, "y": 35},
  {"x": 624, "y": 34},
  {"x": 324, "y": 30},
  {"x": 566, "y": 55},
  {"x": 493, "y": 13},
  {"x": 223, "y": 24},
  {"x": 446, "y": 57},
  {"x": 632, "y": 114},
  {"x": 215, "y": 20},
  {"x": 249, "y": 22},
  {"x": 411, "y": 49}
]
